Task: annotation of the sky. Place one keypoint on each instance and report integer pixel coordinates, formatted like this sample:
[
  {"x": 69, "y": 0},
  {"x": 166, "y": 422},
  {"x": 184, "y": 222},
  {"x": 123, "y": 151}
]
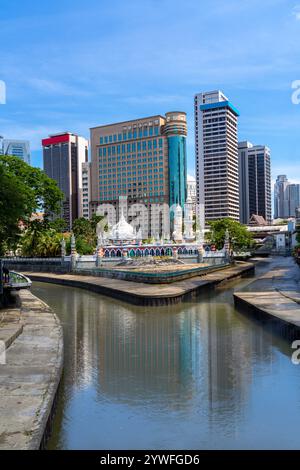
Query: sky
[{"x": 74, "y": 64}]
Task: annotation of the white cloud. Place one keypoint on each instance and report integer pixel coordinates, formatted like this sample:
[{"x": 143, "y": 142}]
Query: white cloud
[{"x": 296, "y": 12}]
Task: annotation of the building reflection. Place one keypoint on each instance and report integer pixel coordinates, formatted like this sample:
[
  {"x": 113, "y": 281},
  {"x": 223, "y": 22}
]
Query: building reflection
[{"x": 200, "y": 357}]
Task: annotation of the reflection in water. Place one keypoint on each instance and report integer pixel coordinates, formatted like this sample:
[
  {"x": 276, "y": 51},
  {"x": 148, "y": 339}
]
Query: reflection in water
[{"x": 196, "y": 375}]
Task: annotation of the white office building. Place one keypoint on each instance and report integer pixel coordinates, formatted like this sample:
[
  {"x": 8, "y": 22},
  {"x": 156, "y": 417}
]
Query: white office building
[
  {"x": 216, "y": 147},
  {"x": 86, "y": 189}
]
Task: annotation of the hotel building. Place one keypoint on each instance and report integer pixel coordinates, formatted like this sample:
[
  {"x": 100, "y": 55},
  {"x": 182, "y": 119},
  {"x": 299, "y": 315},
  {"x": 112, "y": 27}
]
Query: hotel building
[
  {"x": 255, "y": 181},
  {"x": 63, "y": 156},
  {"x": 143, "y": 160},
  {"x": 216, "y": 148}
]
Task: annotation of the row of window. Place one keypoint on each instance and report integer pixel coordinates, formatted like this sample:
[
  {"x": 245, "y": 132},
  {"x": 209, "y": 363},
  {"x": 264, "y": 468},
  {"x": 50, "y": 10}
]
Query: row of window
[
  {"x": 136, "y": 133},
  {"x": 131, "y": 147}
]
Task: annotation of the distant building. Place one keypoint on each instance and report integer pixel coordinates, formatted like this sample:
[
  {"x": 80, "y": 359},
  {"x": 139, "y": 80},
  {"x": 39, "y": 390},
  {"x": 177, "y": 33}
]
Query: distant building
[
  {"x": 86, "y": 187},
  {"x": 63, "y": 156},
  {"x": 143, "y": 160},
  {"x": 286, "y": 198},
  {"x": 254, "y": 182},
  {"x": 257, "y": 220},
  {"x": 294, "y": 198},
  {"x": 17, "y": 148},
  {"x": 216, "y": 147},
  {"x": 192, "y": 190},
  {"x": 281, "y": 197}
]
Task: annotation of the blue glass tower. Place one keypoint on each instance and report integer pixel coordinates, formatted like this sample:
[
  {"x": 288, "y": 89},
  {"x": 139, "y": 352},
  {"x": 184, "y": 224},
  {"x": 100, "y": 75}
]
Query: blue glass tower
[{"x": 176, "y": 130}]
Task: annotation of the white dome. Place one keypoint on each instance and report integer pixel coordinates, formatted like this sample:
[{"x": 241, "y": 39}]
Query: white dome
[{"x": 122, "y": 230}]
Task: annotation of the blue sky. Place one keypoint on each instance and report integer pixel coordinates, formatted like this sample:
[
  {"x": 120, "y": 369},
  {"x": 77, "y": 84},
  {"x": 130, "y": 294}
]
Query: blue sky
[{"x": 74, "y": 64}]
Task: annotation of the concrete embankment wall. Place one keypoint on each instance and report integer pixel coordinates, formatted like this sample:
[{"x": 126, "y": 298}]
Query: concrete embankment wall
[
  {"x": 139, "y": 293},
  {"x": 30, "y": 378}
]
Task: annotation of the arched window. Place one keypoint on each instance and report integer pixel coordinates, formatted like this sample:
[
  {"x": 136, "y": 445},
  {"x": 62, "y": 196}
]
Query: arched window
[
  {"x": 112, "y": 253},
  {"x": 162, "y": 252},
  {"x": 179, "y": 251},
  {"x": 138, "y": 252},
  {"x": 119, "y": 253},
  {"x": 184, "y": 251},
  {"x": 169, "y": 252},
  {"x": 146, "y": 252},
  {"x": 106, "y": 253},
  {"x": 152, "y": 252},
  {"x": 132, "y": 253},
  {"x": 157, "y": 252}
]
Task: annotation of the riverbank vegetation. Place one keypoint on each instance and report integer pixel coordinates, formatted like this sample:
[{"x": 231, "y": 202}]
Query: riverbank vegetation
[
  {"x": 25, "y": 191},
  {"x": 239, "y": 237}
]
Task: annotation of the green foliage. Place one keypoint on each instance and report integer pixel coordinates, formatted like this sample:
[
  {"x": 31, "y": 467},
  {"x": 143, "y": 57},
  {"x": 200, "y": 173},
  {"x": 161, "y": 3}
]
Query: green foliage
[
  {"x": 86, "y": 229},
  {"x": 41, "y": 241},
  {"x": 239, "y": 236},
  {"x": 43, "y": 238},
  {"x": 13, "y": 206},
  {"x": 59, "y": 225},
  {"x": 82, "y": 246},
  {"x": 23, "y": 190}
]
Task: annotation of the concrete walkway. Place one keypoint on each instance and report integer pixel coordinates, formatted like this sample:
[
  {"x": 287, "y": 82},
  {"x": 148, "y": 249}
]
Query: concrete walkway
[
  {"x": 30, "y": 377},
  {"x": 276, "y": 293},
  {"x": 146, "y": 294}
]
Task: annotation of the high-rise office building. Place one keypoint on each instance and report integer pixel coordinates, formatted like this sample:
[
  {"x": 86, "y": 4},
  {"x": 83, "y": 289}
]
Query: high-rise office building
[
  {"x": 63, "y": 156},
  {"x": 216, "y": 146},
  {"x": 17, "y": 148},
  {"x": 294, "y": 198},
  {"x": 255, "y": 181},
  {"x": 142, "y": 159},
  {"x": 86, "y": 189},
  {"x": 281, "y": 197}
]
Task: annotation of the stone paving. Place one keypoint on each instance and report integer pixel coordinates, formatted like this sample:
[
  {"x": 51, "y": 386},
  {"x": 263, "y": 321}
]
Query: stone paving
[
  {"x": 11, "y": 325},
  {"x": 30, "y": 377},
  {"x": 146, "y": 294},
  {"x": 276, "y": 293}
]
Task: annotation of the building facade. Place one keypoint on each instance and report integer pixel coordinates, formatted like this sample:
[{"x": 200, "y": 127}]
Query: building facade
[
  {"x": 143, "y": 160},
  {"x": 63, "y": 156},
  {"x": 281, "y": 197},
  {"x": 86, "y": 187},
  {"x": 294, "y": 198},
  {"x": 254, "y": 181},
  {"x": 192, "y": 191},
  {"x": 216, "y": 148},
  {"x": 17, "y": 148}
]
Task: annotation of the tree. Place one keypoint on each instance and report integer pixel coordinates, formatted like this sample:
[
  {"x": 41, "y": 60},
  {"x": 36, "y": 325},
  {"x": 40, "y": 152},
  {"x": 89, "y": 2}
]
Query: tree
[
  {"x": 12, "y": 208},
  {"x": 23, "y": 190},
  {"x": 86, "y": 229},
  {"x": 239, "y": 236}
]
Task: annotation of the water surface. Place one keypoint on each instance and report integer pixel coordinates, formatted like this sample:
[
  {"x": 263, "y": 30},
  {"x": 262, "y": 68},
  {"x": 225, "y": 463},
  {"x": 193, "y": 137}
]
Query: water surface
[{"x": 200, "y": 375}]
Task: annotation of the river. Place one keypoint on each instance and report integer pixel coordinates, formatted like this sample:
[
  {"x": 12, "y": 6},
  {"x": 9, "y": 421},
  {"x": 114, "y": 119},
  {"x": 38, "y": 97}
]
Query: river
[{"x": 199, "y": 375}]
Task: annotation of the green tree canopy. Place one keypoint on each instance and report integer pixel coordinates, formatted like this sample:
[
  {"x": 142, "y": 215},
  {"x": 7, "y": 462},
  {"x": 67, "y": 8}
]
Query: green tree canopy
[
  {"x": 23, "y": 190},
  {"x": 239, "y": 236}
]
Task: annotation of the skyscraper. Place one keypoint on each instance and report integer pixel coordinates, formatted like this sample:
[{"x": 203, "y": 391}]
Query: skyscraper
[
  {"x": 294, "y": 198},
  {"x": 17, "y": 148},
  {"x": 216, "y": 146},
  {"x": 143, "y": 159},
  {"x": 63, "y": 156},
  {"x": 255, "y": 181},
  {"x": 281, "y": 197}
]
